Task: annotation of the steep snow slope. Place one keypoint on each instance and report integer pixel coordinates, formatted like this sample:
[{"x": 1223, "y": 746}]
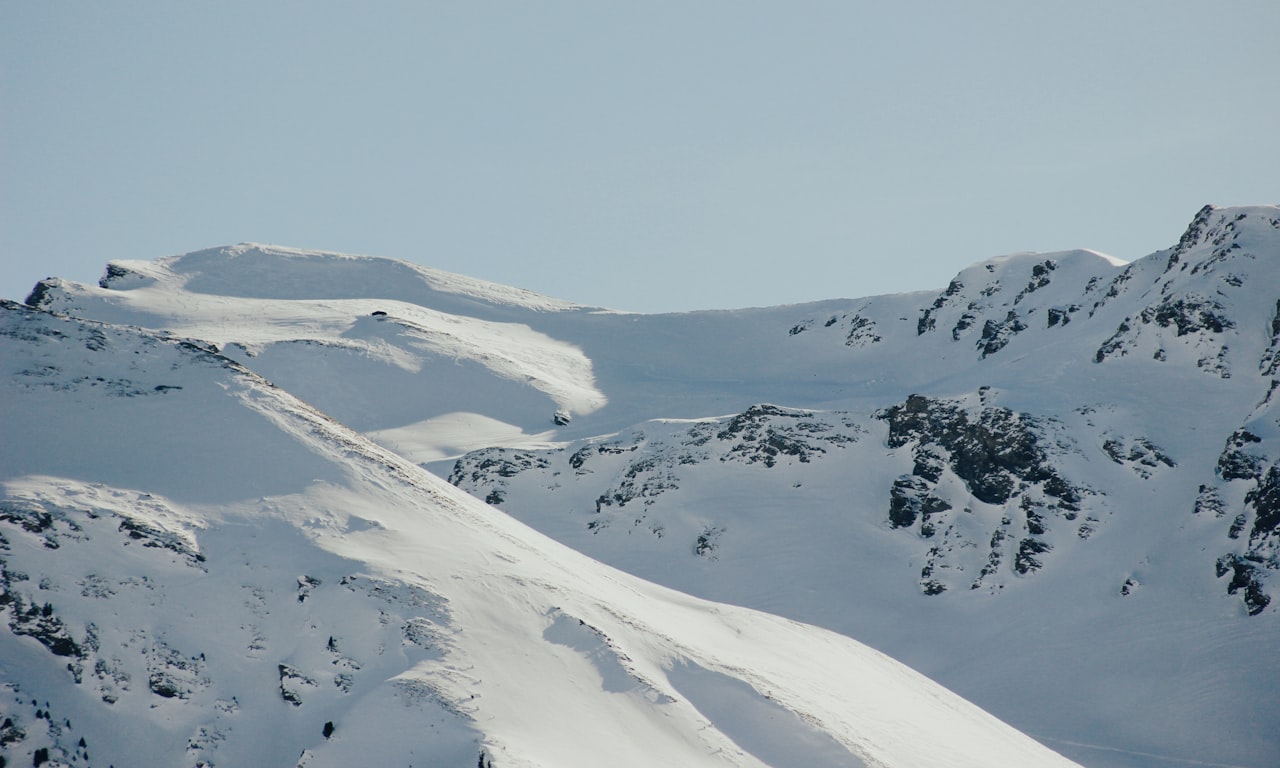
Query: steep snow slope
[
  {"x": 1086, "y": 496},
  {"x": 198, "y": 569},
  {"x": 1049, "y": 486}
]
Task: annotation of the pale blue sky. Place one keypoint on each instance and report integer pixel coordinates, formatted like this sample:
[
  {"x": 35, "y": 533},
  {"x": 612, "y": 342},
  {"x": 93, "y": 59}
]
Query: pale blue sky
[{"x": 648, "y": 156}]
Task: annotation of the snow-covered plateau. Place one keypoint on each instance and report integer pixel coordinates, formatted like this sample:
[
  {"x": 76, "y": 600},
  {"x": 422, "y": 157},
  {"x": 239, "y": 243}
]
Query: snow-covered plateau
[{"x": 263, "y": 506}]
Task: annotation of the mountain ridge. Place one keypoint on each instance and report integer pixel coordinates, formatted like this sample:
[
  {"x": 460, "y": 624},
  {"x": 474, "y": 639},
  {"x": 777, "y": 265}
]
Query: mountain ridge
[
  {"x": 1053, "y": 453},
  {"x": 192, "y": 607}
]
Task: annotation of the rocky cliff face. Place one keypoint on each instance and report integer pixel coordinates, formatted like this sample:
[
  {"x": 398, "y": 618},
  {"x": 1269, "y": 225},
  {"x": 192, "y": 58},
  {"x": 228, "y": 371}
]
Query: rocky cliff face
[{"x": 1248, "y": 474}]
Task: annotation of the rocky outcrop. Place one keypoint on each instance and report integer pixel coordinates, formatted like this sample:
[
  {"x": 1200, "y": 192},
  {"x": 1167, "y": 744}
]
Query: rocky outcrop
[
  {"x": 1253, "y": 535},
  {"x": 1189, "y": 308},
  {"x": 767, "y": 433},
  {"x": 992, "y": 450},
  {"x": 1001, "y": 461}
]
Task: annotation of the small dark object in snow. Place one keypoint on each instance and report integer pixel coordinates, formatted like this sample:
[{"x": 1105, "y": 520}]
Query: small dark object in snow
[{"x": 379, "y": 313}]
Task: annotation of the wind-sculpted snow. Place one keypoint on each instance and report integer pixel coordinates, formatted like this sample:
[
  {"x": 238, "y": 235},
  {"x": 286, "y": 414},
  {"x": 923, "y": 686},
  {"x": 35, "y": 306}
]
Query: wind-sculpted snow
[
  {"x": 1050, "y": 484},
  {"x": 257, "y": 271},
  {"x": 206, "y": 612},
  {"x": 382, "y": 363}
]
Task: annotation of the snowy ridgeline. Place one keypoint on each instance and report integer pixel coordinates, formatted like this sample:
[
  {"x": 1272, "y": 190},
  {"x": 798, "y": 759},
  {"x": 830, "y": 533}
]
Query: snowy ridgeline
[
  {"x": 200, "y": 569},
  {"x": 1052, "y": 486}
]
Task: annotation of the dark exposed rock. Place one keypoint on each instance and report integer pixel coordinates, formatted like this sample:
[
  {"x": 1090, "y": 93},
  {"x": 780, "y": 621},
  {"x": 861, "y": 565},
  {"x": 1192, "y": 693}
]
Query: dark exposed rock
[
  {"x": 928, "y": 464},
  {"x": 306, "y": 584},
  {"x": 31, "y": 517},
  {"x": 1269, "y": 365},
  {"x": 1235, "y": 462},
  {"x": 1035, "y": 518},
  {"x": 1265, "y": 500},
  {"x": 707, "y": 541},
  {"x": 861, "y": 332},
  {"x": 996, "y": 334},
  {"x": 39, "y": 296},
  {"x": 965, "y": 322},
  {"x": 291, "y": 680},
  {"x": 1244, "y": 459},
  {"x": 1039, "y": 278},
  {"x": 578, "y": 458},
  {"x": 928, "y": 321},
  {"x": 42, "y": 624},
  {"x": 1002, "y": 459},
  {"x": 1208, "y": 501},
  {"x": 494, "y": 462},
  {"x": 1026, "y": 561},
  {"x": 1139, "y": 453},
  {"x": 11, "y": 733},
  {"x": 765, "y": 433},
  {"x": 910, "y": 498},
  {"x": 1118, "y": 285},
  {"x": 932, "y": 587},
  {"x": 114, "y": 273},
  {"x": 1060, "y": 315},
  {"x": 173, "y": 675},
  {"x": 1188, "y": 314},
  {"x": 646, "y": 479},
  {"x": 158, "y": 538},
  {"x": 990, "y": 451},
  {"x": 904, "y": 500},
  {"x": 1114, "y": 344},
  {"x": 1245, "y": 580},
  {"x": 1192, "y": 236},
  {"x": 1223, "y": 235}
]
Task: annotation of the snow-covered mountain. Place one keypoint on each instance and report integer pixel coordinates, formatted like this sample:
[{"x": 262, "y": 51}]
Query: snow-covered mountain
[
  {"x": 199, "y": 569},
  {"x": 1052, "y": 486}
]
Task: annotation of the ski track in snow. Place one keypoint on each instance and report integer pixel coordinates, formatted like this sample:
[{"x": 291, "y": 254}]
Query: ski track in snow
[{"x": 1162, "y": 759}]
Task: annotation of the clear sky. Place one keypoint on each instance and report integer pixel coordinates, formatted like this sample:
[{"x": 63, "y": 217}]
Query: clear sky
[{"x": 649, "y": 156}]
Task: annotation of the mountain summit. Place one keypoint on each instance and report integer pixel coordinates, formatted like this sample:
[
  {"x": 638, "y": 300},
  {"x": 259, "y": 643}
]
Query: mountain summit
[{"x": 1052, "y": 486}]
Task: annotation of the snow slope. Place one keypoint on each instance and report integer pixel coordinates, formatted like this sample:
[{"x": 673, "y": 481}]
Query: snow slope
[
  {"x": 199, "y": 569},
  {"x": 1051, "y": 486},
  {"x": 338, "y": 354}
]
